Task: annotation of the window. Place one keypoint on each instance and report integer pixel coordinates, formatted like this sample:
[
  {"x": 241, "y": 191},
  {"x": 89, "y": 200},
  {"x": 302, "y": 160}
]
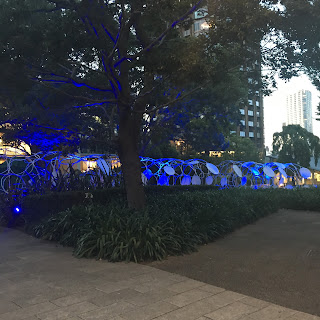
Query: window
[
  {"x": 250, "y": 123},
  {"x": 258, "y": 114},
  {"x": 197, "y": 26},
  {"x": 257, "y": 103},
  {"x": 250, "y": 113},
  {"x": 243, "y": 122},
  {"x": 258, "y": 124},
  {"x": 250, "y": 102},
  {"x": 258, "y": 135},
  {"x": 251, "y": 134},
  {"x": 187, "y": 33},
  {"x": 242, "y": 134},
  {"x": 233, "y": 132},
  {"x": 242, "y": 111}
]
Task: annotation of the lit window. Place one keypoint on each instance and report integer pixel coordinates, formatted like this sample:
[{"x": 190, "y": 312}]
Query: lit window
[
  {"x": 197, "y": 26},
  {"x": 242, "y": 111},
  {"x": 251, "y": 134},
  {"x": 243, "y": 122},
  {"x": 250, "y": 123},
  {"x": 205, "y": 26},
  {"x": 258, "y": 114},
  {"x": 250, "y": 102},
  {"x": 250, "y": 113},
  {"x": 242, "y": 134},
  {"x": 257, "y": 103}
]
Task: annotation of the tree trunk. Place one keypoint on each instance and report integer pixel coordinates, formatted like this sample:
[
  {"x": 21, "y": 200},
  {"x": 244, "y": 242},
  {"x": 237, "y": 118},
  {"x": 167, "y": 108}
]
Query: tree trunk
[{"x": 129, "y": 133}]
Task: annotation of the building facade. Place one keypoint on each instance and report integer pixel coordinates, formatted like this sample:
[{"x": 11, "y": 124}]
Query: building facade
[
  {"x": 251, "y": 113},
  {"x": 299, "y": 109}
]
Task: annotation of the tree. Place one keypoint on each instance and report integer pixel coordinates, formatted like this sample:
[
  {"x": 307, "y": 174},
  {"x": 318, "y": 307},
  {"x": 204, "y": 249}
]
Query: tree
[
  {"x": 127, "y": 58},
  {"x": 242, "y": 149},
  {"x": 297, "y": 145},
  {"x": 134, "y": 62}
]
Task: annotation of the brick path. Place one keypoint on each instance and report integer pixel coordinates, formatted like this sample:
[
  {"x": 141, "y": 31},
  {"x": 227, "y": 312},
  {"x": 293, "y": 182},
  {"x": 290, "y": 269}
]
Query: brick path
[{"x": 39, "y": 280}]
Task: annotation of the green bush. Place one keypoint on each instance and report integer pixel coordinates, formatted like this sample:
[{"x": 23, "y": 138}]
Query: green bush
[
  {"x": 172, "y": 224},
  {"x": 36, "y": 207},
  {"x": 176, "y": 221}
]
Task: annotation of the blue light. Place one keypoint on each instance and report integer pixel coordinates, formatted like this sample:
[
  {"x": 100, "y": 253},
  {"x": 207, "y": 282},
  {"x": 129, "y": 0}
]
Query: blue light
[
  {"x": 255, "y": 171},
  {"x": 17, "y": 210},
  {"x": 244, "y": 181},
  {"x": 163, "y": 181},
  {"x": 148, "y": 173}
]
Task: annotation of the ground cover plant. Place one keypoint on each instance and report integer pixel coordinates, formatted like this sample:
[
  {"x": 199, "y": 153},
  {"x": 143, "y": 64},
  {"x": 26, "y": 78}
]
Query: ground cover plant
[{"x": 174, "y": 223}]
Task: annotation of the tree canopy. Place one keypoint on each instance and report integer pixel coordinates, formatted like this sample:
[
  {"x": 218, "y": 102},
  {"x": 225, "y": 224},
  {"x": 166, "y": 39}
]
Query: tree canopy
[
  {"x": 295, "y": 144},
  {"x": 124, "y": 65}
]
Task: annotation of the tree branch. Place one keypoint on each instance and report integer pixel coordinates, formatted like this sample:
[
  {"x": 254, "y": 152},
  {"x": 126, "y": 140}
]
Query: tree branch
[
  {"x": 176, "y": 100},
  {"x": 160, "y": 37},
  {"x": 79, "y": 97}
]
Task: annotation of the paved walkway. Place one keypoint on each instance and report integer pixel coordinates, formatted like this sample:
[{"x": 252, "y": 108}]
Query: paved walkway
[
  {"x": 276, "y": 259},
  {"x": 39, "y": 280}
]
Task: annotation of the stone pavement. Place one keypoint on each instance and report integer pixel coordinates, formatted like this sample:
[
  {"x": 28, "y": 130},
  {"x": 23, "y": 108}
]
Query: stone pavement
[{"x": 39, "y": 280}]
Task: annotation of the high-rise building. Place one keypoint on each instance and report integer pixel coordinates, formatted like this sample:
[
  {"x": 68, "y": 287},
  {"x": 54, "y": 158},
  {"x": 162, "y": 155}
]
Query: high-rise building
[
  {"x": 252, "y": 117},
  {"x": 299, "y": 109}
]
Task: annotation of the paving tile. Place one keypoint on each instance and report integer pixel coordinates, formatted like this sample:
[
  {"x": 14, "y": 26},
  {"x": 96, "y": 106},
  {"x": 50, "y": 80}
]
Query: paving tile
[
  {"x": 255, "y": 302},
  {"x": 185, "y": 286},
  {"x": 272, "y": 312},
  {"x": 108, "y": 312},
  {"x": 211, "y": 289},
  {"x": 232, "y": 311},
  {"x": 226, "y": 297},
  {"x": 7, "y": 306},
  {"x": 142, "y": 299},
  {"x": 78, "y": 297},
  {"x": 150, "y": 311},
  {"x": 30, "y": 311},
  {"x": 108, "y": 287},
  {"x": 187, "y": 297},
  {"x": 303, "y": 316},
  {"x": 67, "y": 312},
  {"x": 110, "y": 298},
  {"x": 151, "y": 285},
  {"x": 26, "y": 301},
  {"x": 195, "y": 310}
]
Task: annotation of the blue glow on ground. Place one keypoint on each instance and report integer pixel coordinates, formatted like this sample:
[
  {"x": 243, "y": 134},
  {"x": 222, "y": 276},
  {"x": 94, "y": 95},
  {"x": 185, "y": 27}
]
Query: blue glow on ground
[{"x": 17, "y": 210}]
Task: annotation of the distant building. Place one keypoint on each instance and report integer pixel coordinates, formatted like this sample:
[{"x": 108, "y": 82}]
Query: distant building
[
  {"x": 299, "y": 109},
  {"x": 252, "y": 117}
]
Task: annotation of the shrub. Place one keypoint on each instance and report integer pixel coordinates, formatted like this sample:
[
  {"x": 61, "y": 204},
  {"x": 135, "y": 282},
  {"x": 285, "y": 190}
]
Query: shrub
[
  {"x": 172, "y": 224},
  {"x": 176, "y": 221}
]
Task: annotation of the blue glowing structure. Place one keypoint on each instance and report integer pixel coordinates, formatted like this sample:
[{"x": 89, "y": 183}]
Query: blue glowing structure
[{"x": 52, "y": 171}]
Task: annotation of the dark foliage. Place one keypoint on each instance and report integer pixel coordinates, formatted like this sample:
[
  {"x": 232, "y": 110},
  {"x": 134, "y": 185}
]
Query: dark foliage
[{"x": 174, "y": 223}]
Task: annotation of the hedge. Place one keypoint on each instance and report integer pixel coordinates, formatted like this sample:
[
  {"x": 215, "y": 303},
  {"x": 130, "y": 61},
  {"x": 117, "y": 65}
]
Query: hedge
[
  {"x": 173, "y": 223},
  {"x": 36, "y": 207}
]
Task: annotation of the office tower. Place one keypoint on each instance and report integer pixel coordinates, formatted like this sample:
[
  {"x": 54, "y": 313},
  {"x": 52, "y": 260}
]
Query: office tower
[
  {"x": 252, "y": 120},
  {"x": 299, "y": 109},
  {"x": 252, "y": 115}
]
